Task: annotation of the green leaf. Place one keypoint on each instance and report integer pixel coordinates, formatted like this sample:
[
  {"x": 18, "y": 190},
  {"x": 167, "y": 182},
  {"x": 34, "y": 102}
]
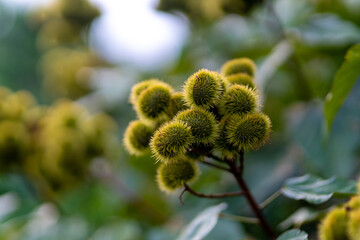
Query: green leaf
[
  {"x": 294, "y": 234},
  {"x": 345, "y": 79},
  {"x": 316, "y": 190},
  {"x": 301, "y": 216},
  {"x": 203, "y": 223}
]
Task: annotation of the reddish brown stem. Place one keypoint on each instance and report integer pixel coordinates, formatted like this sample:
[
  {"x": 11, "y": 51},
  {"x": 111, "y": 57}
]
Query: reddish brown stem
[{"x": 250, "y": 199}]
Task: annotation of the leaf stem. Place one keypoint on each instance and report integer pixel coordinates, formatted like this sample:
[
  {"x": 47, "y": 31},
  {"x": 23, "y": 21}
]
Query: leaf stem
[
  {"x": 218, "y": 195},
  {"x": 270, "y": 199},
  {"x": 242, "y": 219}
]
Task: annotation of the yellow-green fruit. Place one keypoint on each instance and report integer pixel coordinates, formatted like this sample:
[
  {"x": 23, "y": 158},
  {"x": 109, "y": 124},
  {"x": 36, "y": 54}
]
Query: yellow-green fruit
[
  {"x": 238, "y": 100},
  {"x": 202, "y": 124},
  {"x": 353, "y": 225},
  {"x": 137, "y": 137},
  {"x": 177, "y": 104},
  {"x": 248, "y": 131},
  {"x": 68, "y": 71},
  {"x": 333, "y": 226},
  {"x": 353, "y": 203},
  {"x": 64, "y": 161},
  {"x": 100, "y": 132},
  {"x": 222, "y": 142},
  {"x": 15, "y": 105},
  {"x": 80, "y": 11},
  {"x": 171, "y": 141},
  {"x": 56, "y": 32},
  {"x": 202, "y": 89},
  {"x": 174, "y": 175},
  {"x": 137, "y": 89},
  {"x": 14, "y": 144},
  {"x": 241, "y": 79},
  {"x": 239, "y": 65},
  {"x": 153, "y": 102},
  {"x": 64, "y": 114}
]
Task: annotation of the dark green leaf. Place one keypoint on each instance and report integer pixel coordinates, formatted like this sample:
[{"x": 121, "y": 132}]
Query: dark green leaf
[
  {"x": 317, "y": 190},
  {"x": 345, "y": 79},
  {"x": 294, "y": 234}
]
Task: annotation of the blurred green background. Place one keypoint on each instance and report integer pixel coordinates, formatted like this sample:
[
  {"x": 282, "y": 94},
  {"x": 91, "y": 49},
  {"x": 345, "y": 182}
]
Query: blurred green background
[{"x": 93, "y": 54}]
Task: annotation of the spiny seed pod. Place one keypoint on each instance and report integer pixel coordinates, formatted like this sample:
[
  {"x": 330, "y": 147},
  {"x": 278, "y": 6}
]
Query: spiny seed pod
[
  {"x": 171, "y": 141},
  {"x": 137, "y": 137},
  {"x": 202, "y": 89},
  {"x": 238, "y": 100},
  {"x": 153, "y": 102},
  {"x": 202, "y": 124},
  {"x": 137, "y": 89},
  {"x": 174, "y": 175},
  {"x": 239, "y": 65},
  {"x": 353, "y": 225},
  {"x": 241, "y": 79},
  {"x": 222, "y": 142},
  {"x": 333, "y": 226},
  {"x": 177, "y": 104},
  {"x": 248, "y": 131}
]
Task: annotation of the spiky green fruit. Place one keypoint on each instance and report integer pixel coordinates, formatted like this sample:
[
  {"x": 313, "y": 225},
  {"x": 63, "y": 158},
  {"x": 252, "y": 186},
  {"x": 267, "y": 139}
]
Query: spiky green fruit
[
  {"x": 239, "y": 65},
  {"x": 137, "y": 89},
  {"x": 248, "y": 131},
  {"x": 177, "y": 104},
  {"x": 241, "y": 79},
  {"x": 174, "y": 175},
  {"x": 202, "y": 124},
  {"x": 222, "y": 142},
  {"x": 353, "y": 226},
  {"x": 137, "y": 137},
  {"x": 333, "y": 226},
  {"x": 171, "y": 141},
  {"x": 203, "y": 89},
  {"x": 153, "y": 102},
  {"x": 238, "y": 100}
]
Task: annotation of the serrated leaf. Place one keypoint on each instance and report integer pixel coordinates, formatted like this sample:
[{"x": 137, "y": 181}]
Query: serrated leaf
[
  {"x": 294, "y": 234},
  {"x": 316, "y": 190},
  {"x": 345, "y": 79},
  {"x": 203, "y": 223}
]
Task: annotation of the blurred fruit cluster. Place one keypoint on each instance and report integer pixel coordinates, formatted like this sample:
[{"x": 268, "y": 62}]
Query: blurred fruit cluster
[
  {"x": 52, "y": 145},
  {"x": 67, "y": 61}
]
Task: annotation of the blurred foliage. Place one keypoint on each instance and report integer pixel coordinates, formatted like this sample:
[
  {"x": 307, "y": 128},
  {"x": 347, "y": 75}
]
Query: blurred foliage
[{"x": 298, "y": 46}]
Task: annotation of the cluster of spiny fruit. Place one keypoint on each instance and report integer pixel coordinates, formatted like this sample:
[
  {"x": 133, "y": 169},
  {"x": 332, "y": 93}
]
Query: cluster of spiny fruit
[
  {"x": 214, "y": 112},
  {"x": 52, "y": 145},
  {"x": 67, "y": 61},
  {"x": 342, "y": 223}
]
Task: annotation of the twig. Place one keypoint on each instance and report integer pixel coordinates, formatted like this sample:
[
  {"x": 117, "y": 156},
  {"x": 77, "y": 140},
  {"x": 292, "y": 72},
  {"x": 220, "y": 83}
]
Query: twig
[
  {"x": 241, "y": 157},
  {"x": 180, "y": 197},
  {"x": 218, "y": 195},
  {"x": 215, "y": 165},
  {"x": 270, "y": 199},
  {"x": 240, "y": 218}
]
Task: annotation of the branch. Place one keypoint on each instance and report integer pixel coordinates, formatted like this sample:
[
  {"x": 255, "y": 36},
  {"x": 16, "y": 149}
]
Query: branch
[
  {"x": 212, "y": 196},
  {"x": 241, "y": 167}
]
